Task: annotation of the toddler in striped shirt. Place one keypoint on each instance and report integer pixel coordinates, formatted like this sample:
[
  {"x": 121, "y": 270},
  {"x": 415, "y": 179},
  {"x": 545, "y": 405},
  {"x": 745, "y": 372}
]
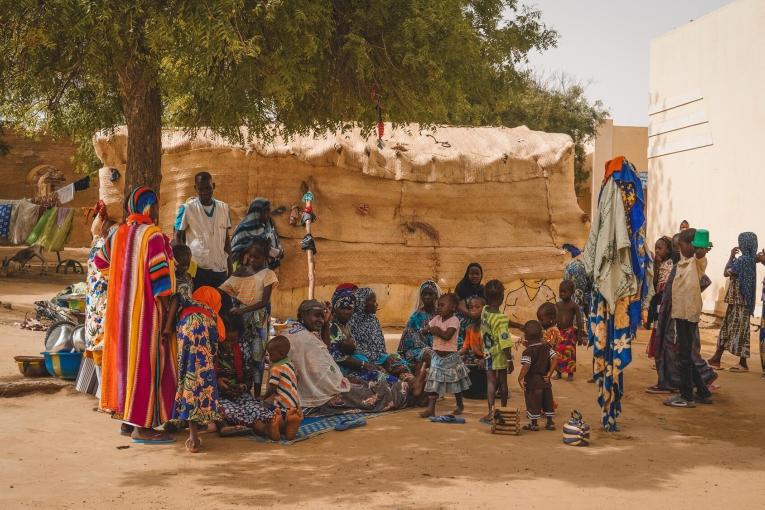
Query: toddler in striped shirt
[{"x": 282, "y": 391}]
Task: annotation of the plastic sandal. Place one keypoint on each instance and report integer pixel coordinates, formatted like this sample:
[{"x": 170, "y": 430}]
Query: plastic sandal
[
  {"x": 153, "y": 441},
  {"x": 447, "y": 418},
  {"x": 350, "y": 424},
  {"x": 656, "y": 390},
  {"x": 679, "y": 402}
]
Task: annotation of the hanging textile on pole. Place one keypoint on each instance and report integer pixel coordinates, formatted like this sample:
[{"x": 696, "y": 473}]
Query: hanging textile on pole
[
  {"x": 308, "y": 245},
  {"x": 616, "y": 260}
]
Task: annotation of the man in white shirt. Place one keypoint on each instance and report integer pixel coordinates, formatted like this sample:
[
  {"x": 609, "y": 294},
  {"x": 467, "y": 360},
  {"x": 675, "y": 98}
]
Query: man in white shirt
[{"x": 203, "y": 224}]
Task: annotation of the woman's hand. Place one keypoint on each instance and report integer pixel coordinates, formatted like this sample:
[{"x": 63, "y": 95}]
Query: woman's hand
[
  {"x": 522, "y": 384},
  {"x": 760, "y": 257},
  {"x": 327, "y": 312},
  {"x": 236, "y": 312},
  {"x": 735, "y": 251}
]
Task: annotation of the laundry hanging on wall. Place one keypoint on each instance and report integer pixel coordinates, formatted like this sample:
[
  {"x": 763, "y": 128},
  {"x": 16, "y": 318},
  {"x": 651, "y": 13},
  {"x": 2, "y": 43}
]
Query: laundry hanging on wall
[{"x": 40, "y": 220}]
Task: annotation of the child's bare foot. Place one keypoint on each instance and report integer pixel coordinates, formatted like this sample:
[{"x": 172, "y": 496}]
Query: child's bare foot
[
  {"x": 193, "y": 446},
  {"x": 426, "y": 414},
  {"x": 486, "y": 419},
  {"x": 294, "y": 418},
  {"x": 274, "y": 429},
  {"x": 550, "y": 425},
  {"x": 532, "y": 427},
  {"x": 458, "y": 410}
]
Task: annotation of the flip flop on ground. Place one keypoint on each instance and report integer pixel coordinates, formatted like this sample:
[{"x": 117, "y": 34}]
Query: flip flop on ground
[
  {"x": 658, "y": 390},
  {"x": 350, "y": 424},
  {"x": 679, "y": 402},
  {"x": 447, "y": 418}
]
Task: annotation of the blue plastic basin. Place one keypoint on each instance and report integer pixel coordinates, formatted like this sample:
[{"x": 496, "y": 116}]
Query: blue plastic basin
[{"x": 64, "y": 365}]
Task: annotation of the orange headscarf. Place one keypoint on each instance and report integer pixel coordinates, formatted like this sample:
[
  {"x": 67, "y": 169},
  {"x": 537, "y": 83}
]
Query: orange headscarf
[{"x": 211, "y": 297}]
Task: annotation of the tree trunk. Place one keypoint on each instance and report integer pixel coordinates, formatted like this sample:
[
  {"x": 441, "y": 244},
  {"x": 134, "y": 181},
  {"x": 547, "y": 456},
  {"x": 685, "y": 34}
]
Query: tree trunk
[{"x": 142, "y": 107}]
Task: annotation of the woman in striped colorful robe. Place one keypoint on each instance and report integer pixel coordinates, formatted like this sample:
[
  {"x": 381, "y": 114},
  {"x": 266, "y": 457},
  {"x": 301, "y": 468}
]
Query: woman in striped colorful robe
[{"x": 139, "y": 378}]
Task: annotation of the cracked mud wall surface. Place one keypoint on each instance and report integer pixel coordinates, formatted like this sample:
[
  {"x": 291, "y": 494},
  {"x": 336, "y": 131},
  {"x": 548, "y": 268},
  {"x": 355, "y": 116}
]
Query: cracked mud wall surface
[{"x": 437, "y": 199}]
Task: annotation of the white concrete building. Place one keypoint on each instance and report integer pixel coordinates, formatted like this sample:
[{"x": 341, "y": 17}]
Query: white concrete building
[{"x": 706, "y": 128}]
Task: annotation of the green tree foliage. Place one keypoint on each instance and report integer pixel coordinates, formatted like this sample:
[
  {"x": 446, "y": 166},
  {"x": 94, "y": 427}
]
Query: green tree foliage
[{"x": 246, "y": 68}]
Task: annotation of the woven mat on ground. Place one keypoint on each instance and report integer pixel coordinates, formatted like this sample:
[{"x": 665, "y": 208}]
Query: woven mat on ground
[{"x": 312, "y": 427}]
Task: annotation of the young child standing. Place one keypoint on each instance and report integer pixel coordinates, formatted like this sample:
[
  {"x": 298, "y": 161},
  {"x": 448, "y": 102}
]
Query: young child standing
[
  {"x": 571, "y": 328},
  {"x": 251, "y": 285},
  {"x": 184, "y": 285},
  {"x": 472, "y": 348},
  {"x": 547, "y": 315},
  {"x": 447, "y": 373},
  {"x": 686, "y": 310},
  {"x": 497, "y": 343},
  {"x": 538, "y": 363},
  {"x": 282, "y": 391}
]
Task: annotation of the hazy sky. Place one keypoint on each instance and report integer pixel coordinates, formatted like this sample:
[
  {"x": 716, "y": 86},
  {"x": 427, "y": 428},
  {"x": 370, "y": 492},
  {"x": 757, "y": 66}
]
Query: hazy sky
[{"x": 606, "y": 43}]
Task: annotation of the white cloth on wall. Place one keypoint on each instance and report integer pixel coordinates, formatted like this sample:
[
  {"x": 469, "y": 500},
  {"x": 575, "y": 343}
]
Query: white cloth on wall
[{"x": 66, "y": 194}]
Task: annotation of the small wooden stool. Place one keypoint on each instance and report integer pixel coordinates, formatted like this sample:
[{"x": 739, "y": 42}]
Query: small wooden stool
[{"x": 506, "y": 420}]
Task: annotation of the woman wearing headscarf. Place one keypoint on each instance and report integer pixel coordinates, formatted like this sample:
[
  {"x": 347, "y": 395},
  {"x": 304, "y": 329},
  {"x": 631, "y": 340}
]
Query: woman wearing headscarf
[
  {"x": 199, "y": 329},
  {"x": 342, "y": 346},
  {"x": 322, "y": 387},
  {"x": 735, "y": 330},
  {"x": 415, "y": 346},
  {"x": 139, "y": 369},
  {"x": 370, "y": 340},
  {"x": 470, "y": 286},
  {"x": 257, "y": 223}
]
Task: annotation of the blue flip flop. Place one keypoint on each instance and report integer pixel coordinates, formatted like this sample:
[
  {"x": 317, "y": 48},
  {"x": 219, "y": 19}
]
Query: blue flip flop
[
  {"x": 153, "y": 441},
  {"x": 447, "y": 418},
  {"x": 350, "y": 424}
]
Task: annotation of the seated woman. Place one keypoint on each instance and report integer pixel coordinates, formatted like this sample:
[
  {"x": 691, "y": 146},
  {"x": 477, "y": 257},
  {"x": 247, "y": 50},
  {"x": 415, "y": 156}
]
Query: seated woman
[
  {"x": 354, "y": 365},
  {"x": 469, "y": 287},
  {"x": 370, "y": 341},
  {"x": 415, "y": 347},
  {"x": 322, "y": 387},
  {"x": 240, "y": 410}
]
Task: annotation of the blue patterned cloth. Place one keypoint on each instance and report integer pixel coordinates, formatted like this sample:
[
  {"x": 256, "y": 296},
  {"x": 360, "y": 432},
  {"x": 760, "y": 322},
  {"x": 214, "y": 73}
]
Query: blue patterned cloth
[
  {"x": 745, "y": 268},
  {"x": 611, "y": 334},
  {"x": 5, "y": 219}
]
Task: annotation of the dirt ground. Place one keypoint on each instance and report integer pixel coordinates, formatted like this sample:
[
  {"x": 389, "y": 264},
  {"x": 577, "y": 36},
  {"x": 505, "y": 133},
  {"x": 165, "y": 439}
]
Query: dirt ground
[{"x": 57, "y": 452}]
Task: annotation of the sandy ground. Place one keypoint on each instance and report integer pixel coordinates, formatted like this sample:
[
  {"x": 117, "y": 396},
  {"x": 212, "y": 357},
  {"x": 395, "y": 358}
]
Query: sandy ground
[{"x": 56, "y": 452}]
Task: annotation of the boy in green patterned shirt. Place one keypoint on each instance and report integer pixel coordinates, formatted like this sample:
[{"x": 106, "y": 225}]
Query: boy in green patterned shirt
[{"x": 497, "y": 342}]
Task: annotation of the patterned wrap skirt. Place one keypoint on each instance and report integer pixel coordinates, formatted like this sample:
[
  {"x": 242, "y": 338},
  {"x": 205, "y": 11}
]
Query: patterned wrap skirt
[
  {"x": 735, "y": 332},
  {"x": 197, "y": 396}
]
